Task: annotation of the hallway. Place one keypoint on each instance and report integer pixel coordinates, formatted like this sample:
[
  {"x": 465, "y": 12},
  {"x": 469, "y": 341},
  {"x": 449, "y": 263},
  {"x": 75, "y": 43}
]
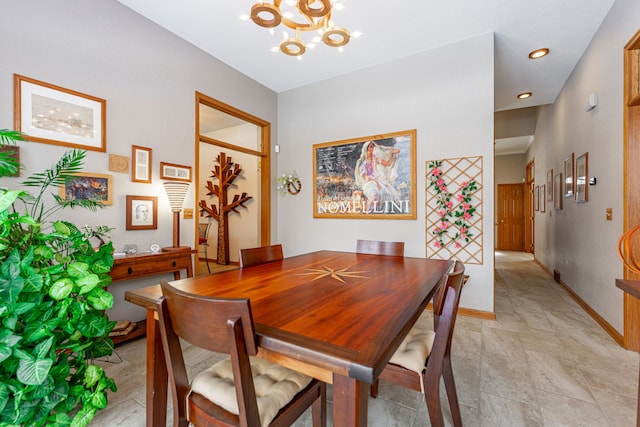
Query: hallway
[{"x": 542, "y": 362}]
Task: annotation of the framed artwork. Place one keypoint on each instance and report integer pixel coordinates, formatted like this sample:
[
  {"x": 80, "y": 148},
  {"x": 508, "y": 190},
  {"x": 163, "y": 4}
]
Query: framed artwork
[
  {"x": 142, "y": 213},
  {"x": 118, "y": 163},
  {"x": 550, "y": 185},
  {"x": 568, "y": 176},
  {"x": 558, "y": 187},
  {"x": 141, "y": 168},
  {"x": 172, "y": 171},
  {"x": 543, "y": 201},
  {"x": 582, "y": 178},
  {"x": 536, "y": 198},
  {"x": 86, "y": 185},
  {"x": 372, "y": 177},
  {"x": 55, "y": 115}
]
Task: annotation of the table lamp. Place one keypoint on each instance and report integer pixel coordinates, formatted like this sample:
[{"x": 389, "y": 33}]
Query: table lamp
[{"x": 177, "y": 192}]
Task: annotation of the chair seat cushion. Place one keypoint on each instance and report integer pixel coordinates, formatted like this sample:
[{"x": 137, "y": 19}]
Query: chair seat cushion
[
  {"x": 416, "y": 346},
  {"x": 275, "y": 386}
]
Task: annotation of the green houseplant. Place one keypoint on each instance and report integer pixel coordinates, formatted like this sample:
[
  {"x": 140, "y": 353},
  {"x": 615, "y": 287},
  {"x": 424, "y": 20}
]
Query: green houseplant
[{"x": 52, "y": 304}]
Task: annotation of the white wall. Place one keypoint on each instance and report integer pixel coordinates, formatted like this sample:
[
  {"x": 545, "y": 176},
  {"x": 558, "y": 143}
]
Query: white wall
[
  {"x": 445, "y": 94},
  {"x": 147, "y": 76},
  {"x": 577, "y": 240},
  {"x": 511, "y": 168}
]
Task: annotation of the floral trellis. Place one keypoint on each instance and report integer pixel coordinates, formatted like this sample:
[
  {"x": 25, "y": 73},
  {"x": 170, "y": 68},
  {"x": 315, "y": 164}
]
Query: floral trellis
[{"x": 454, "y": 209}]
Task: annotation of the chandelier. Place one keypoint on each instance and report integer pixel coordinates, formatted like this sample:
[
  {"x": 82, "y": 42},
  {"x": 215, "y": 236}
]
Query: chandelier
[{"x": 310, "y": 15}]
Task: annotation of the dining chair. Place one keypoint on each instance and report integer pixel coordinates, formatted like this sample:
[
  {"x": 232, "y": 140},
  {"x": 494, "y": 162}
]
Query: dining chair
[
  {"x": 425, "y": 354},
  {"x": 377, "y": 247},
  {"x": 260, "y": 255},
  {"x": 240, "y": 390},
  {"x": 203, "y": 239}
]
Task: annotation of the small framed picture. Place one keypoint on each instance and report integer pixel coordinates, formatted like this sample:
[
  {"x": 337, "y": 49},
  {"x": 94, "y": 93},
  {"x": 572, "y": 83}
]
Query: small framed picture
[
  {"x": 582, "y": 178},
  {"x": 568, "y": 176},
  {"x": 550, "y": 185},
  {"x": 543, "y": 201},
  {"x": 86, "y": 185},
  {"x": 536, "y": 198},
  {"x": 558, "y": 186},
  {"x": 141, "y": 169},
  {"x": 55, "y": 115},
  {"x": 174, "y": 172},
  {"x": 142, "y": 213}
]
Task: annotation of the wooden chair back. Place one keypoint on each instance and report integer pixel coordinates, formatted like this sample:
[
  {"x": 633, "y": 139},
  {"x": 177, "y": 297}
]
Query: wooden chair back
[
  {"x": 260, "y": 255},
  {"x": 219, "y": 325},
  {"x": 377, "y": 247},
  {"x": 439, "y": 361}
]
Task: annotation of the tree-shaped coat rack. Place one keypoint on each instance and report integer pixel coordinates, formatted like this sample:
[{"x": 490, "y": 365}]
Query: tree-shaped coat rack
[{"x": 225, "y": 172}]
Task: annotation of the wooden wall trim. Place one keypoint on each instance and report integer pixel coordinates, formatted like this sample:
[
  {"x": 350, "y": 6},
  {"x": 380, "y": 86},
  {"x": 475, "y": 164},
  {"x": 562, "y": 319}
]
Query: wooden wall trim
[{"x": 617, "y": 336}]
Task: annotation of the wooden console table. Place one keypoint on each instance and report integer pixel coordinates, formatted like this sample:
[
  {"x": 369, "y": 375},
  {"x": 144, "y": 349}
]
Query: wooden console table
[
  {"x": 134, "y": 266},
  {"x": 632, "y": 287}
]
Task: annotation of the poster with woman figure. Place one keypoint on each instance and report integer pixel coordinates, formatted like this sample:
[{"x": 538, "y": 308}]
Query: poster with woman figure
[{"x": 369, "y": 177}]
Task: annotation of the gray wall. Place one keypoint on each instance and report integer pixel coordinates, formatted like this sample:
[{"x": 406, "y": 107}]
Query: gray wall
[
  {"x": 577, "y": 240},
  {"x": 148, "y": 77},
  {"x": 434, "y": 93}
]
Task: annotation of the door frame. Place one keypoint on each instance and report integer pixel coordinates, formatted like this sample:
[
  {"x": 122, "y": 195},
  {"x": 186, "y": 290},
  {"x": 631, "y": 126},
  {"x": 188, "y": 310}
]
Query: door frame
[
  {"x": 264, "y": 157},
  {"x": 529, "y": 214},
  {"x": 631, "y": 198}
]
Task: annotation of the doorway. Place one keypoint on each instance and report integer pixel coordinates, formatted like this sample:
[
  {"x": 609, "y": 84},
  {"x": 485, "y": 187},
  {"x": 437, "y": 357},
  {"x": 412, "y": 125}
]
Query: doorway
[
  {"x": 529, "y": 222},
  {"x": 223, "y": 131},
  {"x": 511, "y": 217}
]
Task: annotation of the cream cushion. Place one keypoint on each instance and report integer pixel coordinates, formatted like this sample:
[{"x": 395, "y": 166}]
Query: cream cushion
[
  {"x": 275, "y": 386},
  {"x": 416, "y": 346}
]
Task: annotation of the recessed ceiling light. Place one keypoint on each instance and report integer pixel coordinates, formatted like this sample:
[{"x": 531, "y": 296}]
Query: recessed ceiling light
[
  {"x": 524, "y": 95},
  {"x": 539, "y": 53}
]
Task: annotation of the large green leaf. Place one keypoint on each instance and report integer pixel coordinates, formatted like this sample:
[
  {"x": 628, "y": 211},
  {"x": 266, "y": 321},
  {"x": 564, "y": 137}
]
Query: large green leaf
[
  {"x": 58, "y": 420},
  {"x": 5, "y": 352},
  {"x": 61, "y": 288},
  {"x": 78, "y": 269},
  {"x": 83, "y": 417},
  {"x": 100, "y": 299},
  {"x": 34, "y": 372},
  {"x": 41, "y": 351},
  {"x": 92, "y": 375},
  {"x": 7, "y": 199},
  {"x": 87, "y": 283},
  {"x": 4, "y": 396},
  {"x": 93, "y": 326}
]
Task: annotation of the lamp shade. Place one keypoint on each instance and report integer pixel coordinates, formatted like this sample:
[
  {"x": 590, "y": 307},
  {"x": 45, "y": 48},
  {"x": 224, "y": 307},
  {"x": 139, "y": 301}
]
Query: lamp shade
[{"x": 177, "y": 192}]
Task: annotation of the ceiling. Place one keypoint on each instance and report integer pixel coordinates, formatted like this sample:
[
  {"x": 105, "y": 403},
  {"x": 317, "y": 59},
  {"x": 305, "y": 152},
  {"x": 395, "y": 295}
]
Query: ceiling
[{"x": 395, "y": 29}]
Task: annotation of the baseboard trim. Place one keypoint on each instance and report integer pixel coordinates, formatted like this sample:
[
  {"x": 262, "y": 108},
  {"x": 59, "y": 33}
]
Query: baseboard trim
[{"x": 617, "y": 336}]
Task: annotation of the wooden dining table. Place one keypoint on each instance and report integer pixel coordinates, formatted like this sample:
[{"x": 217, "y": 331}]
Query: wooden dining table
[{"x": 337, "y": 316}]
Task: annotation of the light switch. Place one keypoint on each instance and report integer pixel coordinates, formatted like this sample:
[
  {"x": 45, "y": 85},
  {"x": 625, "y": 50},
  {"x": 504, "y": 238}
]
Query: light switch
[
  {"x": 188, "y": 214},
  {"x": 609, "y": 214}
]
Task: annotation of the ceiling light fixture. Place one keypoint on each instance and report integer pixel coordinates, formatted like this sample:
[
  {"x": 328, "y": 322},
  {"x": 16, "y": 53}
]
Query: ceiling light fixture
[
  {"x": 539, "y": 53},
  {"x": 524, "y": 95},
  {"x": 315, "y": 16}
]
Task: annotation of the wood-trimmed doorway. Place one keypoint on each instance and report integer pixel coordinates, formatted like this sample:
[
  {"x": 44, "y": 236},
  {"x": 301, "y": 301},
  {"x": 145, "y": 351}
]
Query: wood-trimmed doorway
[
  {"x": 242, "y": 136},
  {"x": 529, "y": 221},
  {"x": 631, "y": 177}
]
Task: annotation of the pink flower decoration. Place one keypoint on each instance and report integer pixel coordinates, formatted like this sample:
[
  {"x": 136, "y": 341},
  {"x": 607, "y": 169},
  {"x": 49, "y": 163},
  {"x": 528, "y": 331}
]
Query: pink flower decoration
[
  {"x": 458, "y": 245},
  {"x": 466, "y": 215},
  {"x": 466, "y": 206},
  {"x": 449, "y": 205},
  {"x": 463, "y": 229},
  {"x": 460, "y": 197},
  {"x": 437, "y": 244},
  {"x": 440, "y": 182},
  {"x": 444, "y": 225},
  {"x": 442, "y": 213},
  {"x": 436, "y": 172}
]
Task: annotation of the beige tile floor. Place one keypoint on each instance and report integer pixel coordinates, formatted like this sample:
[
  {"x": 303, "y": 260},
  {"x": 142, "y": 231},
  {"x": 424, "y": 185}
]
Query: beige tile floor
[{"x": 542, "y": 362}]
